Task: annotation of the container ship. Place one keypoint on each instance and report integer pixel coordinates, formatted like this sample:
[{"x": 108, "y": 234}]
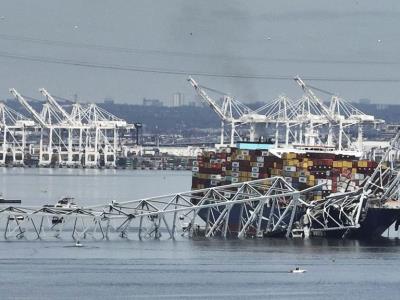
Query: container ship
[
  {"x": 334, "y": 172},
  {"x": 315, "y": 147}
]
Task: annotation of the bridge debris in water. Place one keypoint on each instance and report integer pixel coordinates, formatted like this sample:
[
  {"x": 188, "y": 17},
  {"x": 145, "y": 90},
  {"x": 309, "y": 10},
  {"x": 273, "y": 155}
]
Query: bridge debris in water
[
  {"x": 264, "y": 207},
  {"x": 167, "y": 216}
]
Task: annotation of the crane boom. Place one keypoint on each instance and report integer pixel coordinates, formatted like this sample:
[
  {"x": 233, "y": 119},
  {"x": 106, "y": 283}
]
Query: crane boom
[
  {"x": 314, "y": 98},
  {"x": 53, "y": 102},
  {"x": 29, "y": 108},
  {"x": 207, "y": 99}
]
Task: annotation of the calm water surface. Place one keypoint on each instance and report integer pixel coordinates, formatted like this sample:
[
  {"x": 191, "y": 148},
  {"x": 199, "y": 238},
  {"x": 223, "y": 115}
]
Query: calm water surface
[
  {"x": 89, "y": 186},
  {"x": 184, "y": 269}
]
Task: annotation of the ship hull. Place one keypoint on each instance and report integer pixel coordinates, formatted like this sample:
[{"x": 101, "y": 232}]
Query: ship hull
[{"x": 375, "y": 223}]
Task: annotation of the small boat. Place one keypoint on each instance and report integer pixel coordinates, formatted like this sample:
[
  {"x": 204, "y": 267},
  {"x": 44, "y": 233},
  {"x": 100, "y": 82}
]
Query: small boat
[
  {"x": 297, "y": 270},
  {"x": 66, "y": 203},
  {"x": 78, "y": 244}
]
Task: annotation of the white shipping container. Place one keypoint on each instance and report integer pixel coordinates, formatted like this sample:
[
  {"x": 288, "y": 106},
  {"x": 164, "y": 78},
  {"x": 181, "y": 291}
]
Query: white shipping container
[
  {"x": 254, "y": 175},
  {"x": 195, "y": 169},
  {"x": 260, "y": 165},
  {"x": 235, "y": 164},
  {"x": 235, "y": 174},
  {"x": 264, "y": 153},
  {"x": 290, "y": 169},
  {"x": 235, "y": 180},
  {"x": 255, "y": 169},
  {"x": 303, "y": 179},
  {"x": 288, "y": 179},
  {"x": 260, "y": 159}
]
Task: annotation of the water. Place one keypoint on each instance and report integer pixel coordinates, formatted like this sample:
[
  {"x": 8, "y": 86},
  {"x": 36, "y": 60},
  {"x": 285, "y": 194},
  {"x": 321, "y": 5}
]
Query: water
[
  {"x": 89, "y": 186},
  {"x": 184, "y": 269}
]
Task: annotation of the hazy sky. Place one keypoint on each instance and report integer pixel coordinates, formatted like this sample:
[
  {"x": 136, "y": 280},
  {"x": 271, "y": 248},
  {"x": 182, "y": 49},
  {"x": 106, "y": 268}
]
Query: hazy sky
[{"x": 357, "y": 40}]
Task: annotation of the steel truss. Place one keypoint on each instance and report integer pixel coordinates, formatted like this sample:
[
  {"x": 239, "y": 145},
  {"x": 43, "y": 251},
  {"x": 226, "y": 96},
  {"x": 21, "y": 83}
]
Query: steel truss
[
  {"x": 167, "y": 215},
  {"x": 345, "y": 211},
  {"x": 336, "y": 212}
]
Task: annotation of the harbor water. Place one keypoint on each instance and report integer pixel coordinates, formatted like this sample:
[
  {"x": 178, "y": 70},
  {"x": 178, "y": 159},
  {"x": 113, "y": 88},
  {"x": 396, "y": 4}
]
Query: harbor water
[{"x": 183, "y": 269}]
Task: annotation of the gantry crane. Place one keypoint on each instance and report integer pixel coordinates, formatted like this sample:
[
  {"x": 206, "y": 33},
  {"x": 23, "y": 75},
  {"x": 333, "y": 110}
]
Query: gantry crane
[
  {"x": 13, "y": 136},
  {"x": 45, "y": 149},
  {"x": 231, "y": 112}
]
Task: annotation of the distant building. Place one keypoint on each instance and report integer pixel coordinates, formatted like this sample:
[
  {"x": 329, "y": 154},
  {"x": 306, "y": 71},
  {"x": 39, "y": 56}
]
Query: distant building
[
  {"x": 178, "y": 99},
  {"x": 152, "y": 102},
  {"x": 382, "y": 106}
]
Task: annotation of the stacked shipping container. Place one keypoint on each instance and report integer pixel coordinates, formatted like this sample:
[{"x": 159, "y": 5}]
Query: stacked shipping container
[{"x": 337, "y": 173}]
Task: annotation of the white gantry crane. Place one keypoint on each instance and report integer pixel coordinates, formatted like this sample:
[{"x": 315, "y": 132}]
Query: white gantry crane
[
  {"x": 307, "y": 122},
  {"x": 334, "y": 119},
  {"x": 13, "y": 136},
  {"x": 103, "y": 138},
  {"x": 88, "y": 136},
  {"x": 311, "y": 114},
  {"x": 231, "y": 112},
  {"x": 278, "y": 114},
  {"x": 347, "y": 115},
  {"x": 71, "y": 155},
  {"x": 47, "y": 145}
]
